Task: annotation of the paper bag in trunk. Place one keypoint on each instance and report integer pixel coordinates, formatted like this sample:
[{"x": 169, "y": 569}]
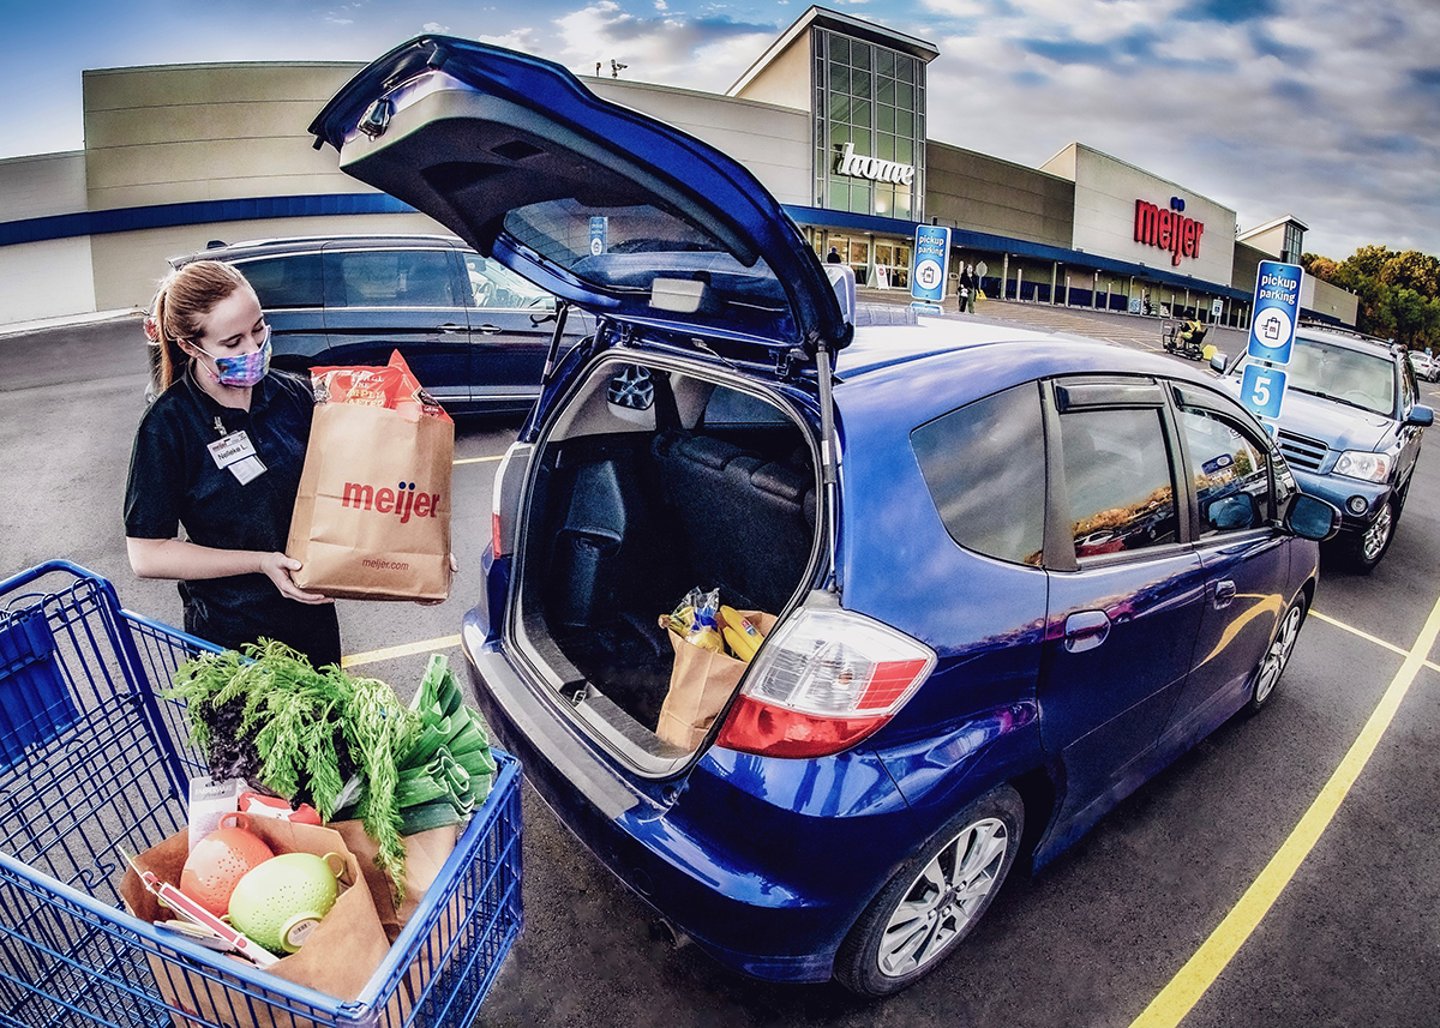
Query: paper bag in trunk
[
  {"x": 372, "y": 516},
  {"x": 701, "y": 683},
  {"x": 337, "y": 959}
]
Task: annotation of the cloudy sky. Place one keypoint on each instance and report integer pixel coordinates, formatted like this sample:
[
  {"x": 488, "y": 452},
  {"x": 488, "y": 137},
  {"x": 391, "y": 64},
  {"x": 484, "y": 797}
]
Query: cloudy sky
[{"x": 1327, "y": 110}]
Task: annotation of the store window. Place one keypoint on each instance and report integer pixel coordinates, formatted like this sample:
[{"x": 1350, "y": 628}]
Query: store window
[{"x": 869, "y": 104}]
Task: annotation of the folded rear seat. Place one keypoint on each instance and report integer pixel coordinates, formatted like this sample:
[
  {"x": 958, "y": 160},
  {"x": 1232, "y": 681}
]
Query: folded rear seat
[{"x": 749, "y": 523}]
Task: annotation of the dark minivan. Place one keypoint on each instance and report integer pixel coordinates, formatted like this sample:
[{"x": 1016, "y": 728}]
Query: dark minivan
[{"x": 474, "y": 332}]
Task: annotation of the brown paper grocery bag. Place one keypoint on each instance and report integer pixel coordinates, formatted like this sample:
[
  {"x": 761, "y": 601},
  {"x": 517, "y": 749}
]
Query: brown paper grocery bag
[
  {"x": 425, "y": 855},
  {"x": 701, "y": 683},
  {"x": 372, "y": 516},
  {"x": 337, "y": 959}
]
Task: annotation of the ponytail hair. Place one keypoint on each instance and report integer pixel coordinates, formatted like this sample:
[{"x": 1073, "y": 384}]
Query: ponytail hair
[{"x": 184, "y": 297}]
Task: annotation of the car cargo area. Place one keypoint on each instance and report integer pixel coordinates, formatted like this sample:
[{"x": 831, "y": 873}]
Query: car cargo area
[{"x": 651, "y": 483}]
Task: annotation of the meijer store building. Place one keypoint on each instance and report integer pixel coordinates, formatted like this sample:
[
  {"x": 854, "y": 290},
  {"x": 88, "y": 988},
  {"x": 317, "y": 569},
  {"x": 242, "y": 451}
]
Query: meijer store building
[{"x": 831, "y": 118}]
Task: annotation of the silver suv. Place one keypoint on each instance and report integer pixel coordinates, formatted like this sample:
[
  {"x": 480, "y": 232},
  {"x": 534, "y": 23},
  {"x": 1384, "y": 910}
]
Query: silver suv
[{"x": 1350, "y": 429}]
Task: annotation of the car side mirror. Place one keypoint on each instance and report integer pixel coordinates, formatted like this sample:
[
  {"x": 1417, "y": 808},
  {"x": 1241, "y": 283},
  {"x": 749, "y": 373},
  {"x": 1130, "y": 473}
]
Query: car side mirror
[
  {"x": 1420, "y": 415},
  {"x": 1220, "y": 363},
  {"x": 1231, "y": 513},
  {"x": 1310, "y": 517},
  {"x": 842, "y": 280}
]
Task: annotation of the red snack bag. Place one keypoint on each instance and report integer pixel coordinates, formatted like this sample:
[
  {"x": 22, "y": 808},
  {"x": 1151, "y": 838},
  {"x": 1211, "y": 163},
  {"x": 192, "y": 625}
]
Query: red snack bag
[{"x": 393, "y": 387}]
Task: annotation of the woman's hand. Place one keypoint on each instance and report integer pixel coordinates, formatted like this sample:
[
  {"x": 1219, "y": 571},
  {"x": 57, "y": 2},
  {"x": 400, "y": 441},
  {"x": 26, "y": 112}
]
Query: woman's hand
[
  {"x": 277, "y": 568},
  {"x": 454, "y": 570}
]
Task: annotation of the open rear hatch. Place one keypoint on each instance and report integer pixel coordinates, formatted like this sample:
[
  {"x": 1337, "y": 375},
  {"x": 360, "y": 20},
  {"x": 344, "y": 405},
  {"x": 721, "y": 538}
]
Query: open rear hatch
[
  {"x": 677, "y": 249},
  {"x": 601, "y": 205}
]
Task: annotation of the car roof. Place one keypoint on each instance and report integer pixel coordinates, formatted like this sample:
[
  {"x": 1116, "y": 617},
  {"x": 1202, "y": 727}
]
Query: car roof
[
  {"x": 911, "y": 374},
  {"x": 1347, "y": 340},
  {"x": 307, "y": 244},
  {"x": 946, "y": 340}
]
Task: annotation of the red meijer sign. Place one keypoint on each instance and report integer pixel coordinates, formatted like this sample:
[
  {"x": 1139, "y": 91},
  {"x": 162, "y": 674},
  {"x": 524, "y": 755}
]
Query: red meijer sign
[{"x": 1169, "y": 230}]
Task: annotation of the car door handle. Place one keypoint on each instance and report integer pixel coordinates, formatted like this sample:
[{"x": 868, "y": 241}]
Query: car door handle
[
  {"x": 450, "y": 327},
  {"x": 486, "y": 329},
  {"x": 1085, "y": 630},
  {"x": 1224, "y": 594}
]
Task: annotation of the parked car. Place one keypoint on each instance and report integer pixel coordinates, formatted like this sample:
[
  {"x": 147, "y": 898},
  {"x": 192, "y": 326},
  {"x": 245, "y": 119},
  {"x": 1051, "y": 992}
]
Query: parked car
[
  {"x": 1424, "y": 365},
  {"x": 475, "y": 333},
  {"x": 950, "y": 688},
  {"x": 1350, "y": 428}
]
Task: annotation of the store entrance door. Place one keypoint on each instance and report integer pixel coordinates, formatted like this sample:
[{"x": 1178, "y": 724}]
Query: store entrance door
[
  {"x": 853, "y": 251},
  {"x": 892, "y": 264}
]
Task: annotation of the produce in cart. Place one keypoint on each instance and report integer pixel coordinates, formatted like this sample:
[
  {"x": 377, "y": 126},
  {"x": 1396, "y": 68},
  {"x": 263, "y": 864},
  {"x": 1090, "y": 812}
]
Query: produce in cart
[{"x": 346, "y": 744}]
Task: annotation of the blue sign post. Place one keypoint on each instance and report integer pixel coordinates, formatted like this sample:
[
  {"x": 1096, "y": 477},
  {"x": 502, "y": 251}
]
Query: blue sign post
[
  {"x": 599, "y": 228},
  {"x": 929, "y": 257},
  {"x": 1276, "y": 313},
  {"x": 1261, "y": 390}
]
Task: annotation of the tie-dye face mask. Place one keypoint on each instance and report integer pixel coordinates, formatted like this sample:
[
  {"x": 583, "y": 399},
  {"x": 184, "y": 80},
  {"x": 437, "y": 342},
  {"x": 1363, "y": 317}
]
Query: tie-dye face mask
[{"x": 244, "y": 370}]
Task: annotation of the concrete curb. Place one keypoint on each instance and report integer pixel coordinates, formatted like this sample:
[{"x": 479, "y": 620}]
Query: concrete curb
[{"x": 18, "y": 328}]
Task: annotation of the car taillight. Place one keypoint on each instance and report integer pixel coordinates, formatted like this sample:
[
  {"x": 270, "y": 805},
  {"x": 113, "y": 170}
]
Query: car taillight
[
  {"x": 824, "y": 680},
  {"x": 505, "y": 496}
]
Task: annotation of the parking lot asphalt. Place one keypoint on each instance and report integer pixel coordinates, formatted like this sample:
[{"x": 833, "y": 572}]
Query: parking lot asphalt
[{"x": 1339, "y": 929}]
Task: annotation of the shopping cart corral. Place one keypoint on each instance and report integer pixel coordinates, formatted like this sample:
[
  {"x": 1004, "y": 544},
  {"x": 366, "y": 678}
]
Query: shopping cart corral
[{"x": 94, "y": 761}]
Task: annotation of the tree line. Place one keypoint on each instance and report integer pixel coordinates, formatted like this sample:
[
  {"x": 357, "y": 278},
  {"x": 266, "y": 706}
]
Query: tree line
[{"x": 1398, "y": 291}]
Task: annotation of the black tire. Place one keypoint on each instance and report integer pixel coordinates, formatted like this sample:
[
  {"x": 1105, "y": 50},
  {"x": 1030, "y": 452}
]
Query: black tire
[
  {"x": 1277, "y": 655},
  {"x": 972, "y": 833},
  {"x": 1365, "y": 548}
]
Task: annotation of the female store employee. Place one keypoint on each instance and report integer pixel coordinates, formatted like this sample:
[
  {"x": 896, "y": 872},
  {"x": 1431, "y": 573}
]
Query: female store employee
[{"x": 220, "y": 452}]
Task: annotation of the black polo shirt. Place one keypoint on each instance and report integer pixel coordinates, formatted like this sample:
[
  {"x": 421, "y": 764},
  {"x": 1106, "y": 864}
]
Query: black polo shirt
[{"x": 174, "y": 481}]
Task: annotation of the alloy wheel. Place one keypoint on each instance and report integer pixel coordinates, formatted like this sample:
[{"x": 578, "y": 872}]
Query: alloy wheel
[
  {"x": 1273, "y": 665},
  {"x": 1372, "y": 544},
  {"x": 944, "y": 898}
]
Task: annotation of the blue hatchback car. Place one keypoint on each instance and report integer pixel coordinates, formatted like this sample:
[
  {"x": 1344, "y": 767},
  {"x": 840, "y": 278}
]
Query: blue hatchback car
[{"x": 1014, "y": 576}]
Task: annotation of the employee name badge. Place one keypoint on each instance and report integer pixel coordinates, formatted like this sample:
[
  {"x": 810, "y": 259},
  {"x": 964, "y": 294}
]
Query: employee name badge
[{"x": 236, "y": 453}]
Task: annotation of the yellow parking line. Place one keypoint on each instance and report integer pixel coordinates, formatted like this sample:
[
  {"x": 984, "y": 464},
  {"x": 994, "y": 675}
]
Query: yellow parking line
[
  {"x": 478, "y": 460},
  {"x": 403, "y": 650},
  {"x": 1357, "y": 632},
  {"x": 1200, "y": 971},
  {"x": 1367, "y": 637}
]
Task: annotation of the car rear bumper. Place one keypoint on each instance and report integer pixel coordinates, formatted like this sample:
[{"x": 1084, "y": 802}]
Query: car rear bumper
[{"x": 719, "y": 853}]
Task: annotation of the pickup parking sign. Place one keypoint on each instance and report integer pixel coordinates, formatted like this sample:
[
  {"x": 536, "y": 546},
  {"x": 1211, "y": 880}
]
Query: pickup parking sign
[
  {"x": 1277, "y": 310},
  {"x": 1262, "y": 390},
  {"x": 1272, "y": 337},
  {"x": 927, "y": 268}
]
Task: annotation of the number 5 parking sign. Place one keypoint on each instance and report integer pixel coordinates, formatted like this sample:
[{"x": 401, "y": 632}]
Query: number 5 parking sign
[{"x": 1262, "y": 389}]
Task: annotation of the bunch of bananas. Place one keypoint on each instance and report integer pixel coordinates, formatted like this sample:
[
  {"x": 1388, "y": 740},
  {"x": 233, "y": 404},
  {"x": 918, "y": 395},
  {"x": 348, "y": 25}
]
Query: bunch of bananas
[{"x": 741, "y": 636}]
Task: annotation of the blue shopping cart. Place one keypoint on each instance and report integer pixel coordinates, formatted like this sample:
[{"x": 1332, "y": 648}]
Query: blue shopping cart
[{"x": 93, "y": 760}]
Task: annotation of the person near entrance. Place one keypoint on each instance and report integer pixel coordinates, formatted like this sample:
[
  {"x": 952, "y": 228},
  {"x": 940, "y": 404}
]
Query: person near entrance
[
  {"x": 833, "y": 257},
  {"x": 966, "y": 291}
]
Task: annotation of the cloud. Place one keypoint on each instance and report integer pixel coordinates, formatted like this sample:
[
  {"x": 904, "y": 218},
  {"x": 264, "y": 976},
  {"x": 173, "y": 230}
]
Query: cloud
[
  {"x": 707, "y": 52},
  {"x": 436, "y": 28},
  {"x": 1242, "y": 102}
]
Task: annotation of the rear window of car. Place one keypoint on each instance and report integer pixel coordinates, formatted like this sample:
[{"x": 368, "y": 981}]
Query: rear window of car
[
  {"x": 984, "y": 465},
  {"x": 286, "y": 282}
]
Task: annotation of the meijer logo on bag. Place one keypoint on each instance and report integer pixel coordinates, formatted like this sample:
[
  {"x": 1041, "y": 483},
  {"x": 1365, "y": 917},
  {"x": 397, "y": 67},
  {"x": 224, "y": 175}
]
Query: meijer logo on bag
[{"x": 402, "y": 501}]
